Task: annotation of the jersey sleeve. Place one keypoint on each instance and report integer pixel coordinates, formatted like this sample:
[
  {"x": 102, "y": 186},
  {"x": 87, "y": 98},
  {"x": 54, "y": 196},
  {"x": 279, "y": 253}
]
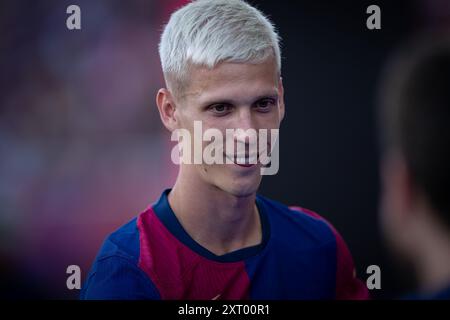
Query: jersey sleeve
[
  {"x": 117, "y": 278},
  {"x": 348, "y": 286}
]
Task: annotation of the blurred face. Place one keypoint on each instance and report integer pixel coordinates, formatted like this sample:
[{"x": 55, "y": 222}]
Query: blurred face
[{"x": 231, "y": 96}]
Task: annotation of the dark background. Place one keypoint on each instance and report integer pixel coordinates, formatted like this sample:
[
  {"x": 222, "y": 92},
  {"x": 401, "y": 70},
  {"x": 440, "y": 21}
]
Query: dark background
[
  {"x": 82, "y": 149},
  {"x": 330, "y": 159}
]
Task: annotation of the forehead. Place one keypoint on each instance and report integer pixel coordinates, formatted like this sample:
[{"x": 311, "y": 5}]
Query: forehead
[{"x": 229, "y": 80}]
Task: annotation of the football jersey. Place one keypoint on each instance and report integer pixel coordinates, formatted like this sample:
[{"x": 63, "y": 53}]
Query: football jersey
[{"x": 301, "y": 256}]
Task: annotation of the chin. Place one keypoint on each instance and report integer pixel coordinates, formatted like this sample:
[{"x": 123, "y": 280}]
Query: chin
[
  {"x": 242, "y": 187},
  {"x": 236, "y": 183},
  {"x": 238, "y": 186}
]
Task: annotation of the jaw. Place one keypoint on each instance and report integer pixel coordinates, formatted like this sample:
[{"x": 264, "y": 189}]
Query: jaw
[{"x": 231, "y": 178}]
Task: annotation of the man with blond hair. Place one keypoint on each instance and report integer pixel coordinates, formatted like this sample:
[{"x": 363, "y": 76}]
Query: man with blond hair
[{"x": 212, "y": 236}]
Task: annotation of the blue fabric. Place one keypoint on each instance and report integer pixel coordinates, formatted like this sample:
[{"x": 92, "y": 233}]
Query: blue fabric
[
  {"x": 296, "y": 259},
  {"x": 299, "y": 261},
  {"x": 115, "y": 274}
]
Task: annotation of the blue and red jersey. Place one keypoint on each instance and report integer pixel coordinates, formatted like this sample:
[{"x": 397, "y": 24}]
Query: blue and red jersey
[{"x": 301, "y": 256}]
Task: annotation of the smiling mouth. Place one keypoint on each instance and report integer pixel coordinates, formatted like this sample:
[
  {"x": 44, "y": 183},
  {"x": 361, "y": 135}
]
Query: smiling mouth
[
  {"x": 243, "y": 161},
  {"x": 245, "y": 165}
]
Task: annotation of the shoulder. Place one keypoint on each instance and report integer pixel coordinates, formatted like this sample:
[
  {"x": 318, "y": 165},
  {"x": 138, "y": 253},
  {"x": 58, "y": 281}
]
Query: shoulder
[
  {"x": 295, "y": 222},
  {"x": 124, "y": 242},
  {"x": 115, "y": 273},
  {"x": 304, "y": 229}
]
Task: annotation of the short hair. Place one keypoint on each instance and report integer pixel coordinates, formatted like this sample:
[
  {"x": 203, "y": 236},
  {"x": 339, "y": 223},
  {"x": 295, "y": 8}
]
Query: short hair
[
  {"x": 207, "y": 32},
  {"x": 415, "y": 116}
]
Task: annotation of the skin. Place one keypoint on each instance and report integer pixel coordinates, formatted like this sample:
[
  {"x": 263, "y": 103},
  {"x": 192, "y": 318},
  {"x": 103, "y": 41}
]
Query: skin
[
  {"x": 216, "y": 203},
  {"x": 411, "y": 226}
]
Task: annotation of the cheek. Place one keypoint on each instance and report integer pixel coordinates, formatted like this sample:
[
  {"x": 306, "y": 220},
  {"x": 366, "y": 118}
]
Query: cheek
[
  {"x": 270, "y": 120},
  {"x": 186, "y": 120}
]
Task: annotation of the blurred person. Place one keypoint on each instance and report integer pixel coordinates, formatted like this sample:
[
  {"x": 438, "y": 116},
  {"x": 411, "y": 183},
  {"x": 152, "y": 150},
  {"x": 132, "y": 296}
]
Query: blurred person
[
  {"x": 212, "y": 236},
  {"x": 415, "y": 164}
]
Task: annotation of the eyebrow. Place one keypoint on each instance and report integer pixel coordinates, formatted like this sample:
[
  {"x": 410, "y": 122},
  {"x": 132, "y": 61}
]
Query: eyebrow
[{"x": 212, "y": 101}]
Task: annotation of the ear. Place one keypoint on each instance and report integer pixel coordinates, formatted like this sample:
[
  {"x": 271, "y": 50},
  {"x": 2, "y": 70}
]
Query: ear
[
  {"x": 166, "y": 107},
  {"x": 281, "y": 98}
]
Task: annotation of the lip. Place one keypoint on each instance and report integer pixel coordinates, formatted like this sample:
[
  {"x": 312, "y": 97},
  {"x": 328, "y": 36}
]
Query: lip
[{"x": 246, "y": 163}]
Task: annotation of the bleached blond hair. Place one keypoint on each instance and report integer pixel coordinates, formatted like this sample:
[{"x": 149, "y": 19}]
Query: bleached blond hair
[{"x": 207, "y": 32}]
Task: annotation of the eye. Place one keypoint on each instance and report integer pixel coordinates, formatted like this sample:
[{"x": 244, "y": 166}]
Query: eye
[
  {"x": 220, "y": 109},
  {"x": 265, "y": 105}
]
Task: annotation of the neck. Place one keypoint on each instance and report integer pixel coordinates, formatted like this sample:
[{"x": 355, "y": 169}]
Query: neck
[{"x": 217, "y": 220}]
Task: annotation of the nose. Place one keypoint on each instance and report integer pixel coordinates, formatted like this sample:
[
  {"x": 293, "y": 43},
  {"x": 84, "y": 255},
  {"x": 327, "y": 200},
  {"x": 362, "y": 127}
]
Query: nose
[{"x": 244, "y": 122}]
